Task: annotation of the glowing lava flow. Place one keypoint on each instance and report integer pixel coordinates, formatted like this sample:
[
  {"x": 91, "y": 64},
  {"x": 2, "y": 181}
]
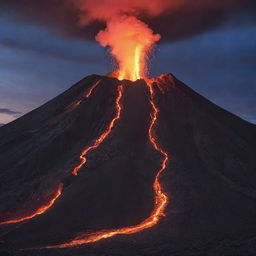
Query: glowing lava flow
[
  {"x": 39, "y": 211},
  {"x": 97, "y": 142},
  {"x": 89, "y": 93},
  {"x": 49, "y": 204},
  {"x": 104, "y": 135},
  {"x": 160, "y": 201}
]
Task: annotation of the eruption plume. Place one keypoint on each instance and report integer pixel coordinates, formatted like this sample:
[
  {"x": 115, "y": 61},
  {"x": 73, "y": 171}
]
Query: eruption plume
[
  {"x": 130, "y": 41},
  {"x": 173, "y": 19}
]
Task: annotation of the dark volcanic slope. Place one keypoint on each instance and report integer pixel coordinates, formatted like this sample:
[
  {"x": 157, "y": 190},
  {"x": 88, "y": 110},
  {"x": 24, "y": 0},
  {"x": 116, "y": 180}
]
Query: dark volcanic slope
[{"x": 210, "y": 178}]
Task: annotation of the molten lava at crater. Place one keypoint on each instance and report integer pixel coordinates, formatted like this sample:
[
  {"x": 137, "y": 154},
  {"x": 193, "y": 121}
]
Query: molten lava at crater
[{"x": 130, "y": 41}]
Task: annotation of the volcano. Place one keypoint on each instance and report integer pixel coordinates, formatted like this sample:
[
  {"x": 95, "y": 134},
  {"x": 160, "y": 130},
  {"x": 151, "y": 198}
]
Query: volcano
[{"x": 115, "y": 167}]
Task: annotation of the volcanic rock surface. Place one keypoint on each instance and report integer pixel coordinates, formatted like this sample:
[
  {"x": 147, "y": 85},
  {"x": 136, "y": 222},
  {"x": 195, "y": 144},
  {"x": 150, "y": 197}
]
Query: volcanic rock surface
[{"x": 210, "y": 177}]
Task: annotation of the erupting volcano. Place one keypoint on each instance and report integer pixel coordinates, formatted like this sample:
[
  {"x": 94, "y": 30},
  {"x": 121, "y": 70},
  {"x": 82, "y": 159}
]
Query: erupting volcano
[
  {"x": 118, "y": 176},
  {"x": 145, "y": 162}
]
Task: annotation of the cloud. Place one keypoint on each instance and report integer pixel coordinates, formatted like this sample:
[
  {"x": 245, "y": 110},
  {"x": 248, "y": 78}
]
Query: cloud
[
  {"x": 173, "y": 19},
  {"x": 9, "y": 111}
]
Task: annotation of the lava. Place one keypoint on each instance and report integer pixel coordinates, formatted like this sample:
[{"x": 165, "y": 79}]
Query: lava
[
  {"x": 49, "y": 204},
  {"x": 39, "y": 211},
  {"x": 87, "y": 95},
  {"x": 104, "y": 135},
  {"x": 160, "y": 200},
  {"x": 90, "y": 91},
  {"x": 130, "y": 41},
  {"x": 97, "y": 142}
]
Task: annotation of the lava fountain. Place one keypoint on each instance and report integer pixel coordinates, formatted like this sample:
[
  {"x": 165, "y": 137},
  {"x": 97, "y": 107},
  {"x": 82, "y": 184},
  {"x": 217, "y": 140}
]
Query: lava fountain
[{"x": 130, "y": 41}]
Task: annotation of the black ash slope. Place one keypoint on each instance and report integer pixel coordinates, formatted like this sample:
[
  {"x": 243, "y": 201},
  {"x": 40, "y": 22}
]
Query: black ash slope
[{"x": 210, "y": 178}]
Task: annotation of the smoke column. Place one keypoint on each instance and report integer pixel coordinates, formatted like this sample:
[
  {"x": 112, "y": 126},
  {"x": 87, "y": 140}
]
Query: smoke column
[{"x": 130, "y": 41}]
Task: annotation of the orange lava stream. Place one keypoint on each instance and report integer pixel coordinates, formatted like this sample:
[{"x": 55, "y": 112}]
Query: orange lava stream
[
  {"x": 160, "y": 202},
  {"x": 98, "y": 141},
  {"x": 89, "y": 93},
  {"x": 39, "y": 211},
  {"x": 104, "y": 135}
]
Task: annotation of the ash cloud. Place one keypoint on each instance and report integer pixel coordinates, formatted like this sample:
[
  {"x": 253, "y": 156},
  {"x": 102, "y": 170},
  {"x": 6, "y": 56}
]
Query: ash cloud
[{"x": 174, "y": 20}]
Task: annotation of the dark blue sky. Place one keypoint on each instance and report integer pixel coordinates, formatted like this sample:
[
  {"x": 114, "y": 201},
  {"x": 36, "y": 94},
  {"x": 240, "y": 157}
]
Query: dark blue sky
[{"x": 37, "y": 63}]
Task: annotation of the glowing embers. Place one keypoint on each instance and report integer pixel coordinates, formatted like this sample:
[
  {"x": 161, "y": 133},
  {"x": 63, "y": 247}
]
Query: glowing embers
[
  {"x": 130, "y": 41},
  {"x": 39, "y": 211},
  {"x": 104, "y": 135},
  {"x": 160, "y": 200}
]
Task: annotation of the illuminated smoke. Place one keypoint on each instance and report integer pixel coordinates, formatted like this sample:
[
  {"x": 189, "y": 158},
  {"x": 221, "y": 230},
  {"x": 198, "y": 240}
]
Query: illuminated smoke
[
  {"x": 130, "y": 41},
  {"x": 107, "y": 9},
  {"x": 173, "y": 19}
]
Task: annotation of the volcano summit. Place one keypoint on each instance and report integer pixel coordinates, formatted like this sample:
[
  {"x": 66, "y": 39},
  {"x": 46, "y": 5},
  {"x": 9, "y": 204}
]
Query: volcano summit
[{"x": 128, "y": 168}]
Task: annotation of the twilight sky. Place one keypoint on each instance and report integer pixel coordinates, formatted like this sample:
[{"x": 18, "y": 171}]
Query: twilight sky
[{"x": 37, "y": 63}]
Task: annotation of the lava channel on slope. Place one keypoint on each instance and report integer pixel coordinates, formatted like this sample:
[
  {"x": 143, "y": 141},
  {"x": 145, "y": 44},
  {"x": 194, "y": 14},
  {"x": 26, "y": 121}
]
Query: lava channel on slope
[
  {"x": 47, "y": 205},
  {"x": 160, "y": 198},
  {"x": 131, "y": 56}
]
